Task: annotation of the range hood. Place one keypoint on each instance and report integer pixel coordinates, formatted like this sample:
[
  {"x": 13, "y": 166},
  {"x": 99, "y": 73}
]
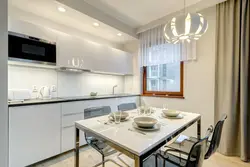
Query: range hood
[{"x": 72, "y": 69}]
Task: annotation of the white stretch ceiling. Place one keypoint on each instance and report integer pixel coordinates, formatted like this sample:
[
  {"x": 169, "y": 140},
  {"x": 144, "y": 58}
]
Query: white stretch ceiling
[
  {"x": 114, "y": 16},
  {"x": 71, "y": 18},
  {"x": 137, "y": 13}
]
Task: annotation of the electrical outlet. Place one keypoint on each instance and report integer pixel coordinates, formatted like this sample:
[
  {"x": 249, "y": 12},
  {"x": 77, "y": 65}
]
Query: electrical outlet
[
  {"x": 34, "y": 88},
  {"x": 53, "y": 88}
]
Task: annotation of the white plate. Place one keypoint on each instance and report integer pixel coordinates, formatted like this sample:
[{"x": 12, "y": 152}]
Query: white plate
[
  {"x": 156, "y": 127},
  {"x": 180, "y": 116},
  {"x": 122, "y": 120}
]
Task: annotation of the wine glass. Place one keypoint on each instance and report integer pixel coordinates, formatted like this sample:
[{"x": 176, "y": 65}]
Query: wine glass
[{"x": 165, "y": 106}]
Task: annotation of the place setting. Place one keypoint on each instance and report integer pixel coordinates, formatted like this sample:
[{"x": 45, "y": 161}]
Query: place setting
[
  {"x": 171, "y": 113},
  {"x": 119, "y": 116},
  {"x": 145, "y": 121}
]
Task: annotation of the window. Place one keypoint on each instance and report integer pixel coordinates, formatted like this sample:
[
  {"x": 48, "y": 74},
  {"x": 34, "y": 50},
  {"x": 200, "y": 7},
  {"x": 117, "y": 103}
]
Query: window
[{"x": 163, "y": 80}]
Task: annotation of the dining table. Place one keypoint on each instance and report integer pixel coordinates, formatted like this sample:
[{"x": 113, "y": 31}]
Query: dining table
[{"x": 136, "y": 144}]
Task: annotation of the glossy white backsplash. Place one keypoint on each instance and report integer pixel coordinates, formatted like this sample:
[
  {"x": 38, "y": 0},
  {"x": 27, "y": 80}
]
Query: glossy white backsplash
[{"x": 67, "y": 84}]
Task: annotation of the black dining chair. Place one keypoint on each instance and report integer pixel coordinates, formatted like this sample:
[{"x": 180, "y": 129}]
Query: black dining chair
[
  {"x": 95, "y": 142},
  {"x": 213, "y": 144},
  {"x": 126, "y": 106},
  {"x": 175, "y": 158}
]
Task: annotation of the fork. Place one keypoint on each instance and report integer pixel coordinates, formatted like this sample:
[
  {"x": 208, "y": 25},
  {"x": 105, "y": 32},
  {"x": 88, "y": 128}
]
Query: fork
[{"x": 137, "y": 131}]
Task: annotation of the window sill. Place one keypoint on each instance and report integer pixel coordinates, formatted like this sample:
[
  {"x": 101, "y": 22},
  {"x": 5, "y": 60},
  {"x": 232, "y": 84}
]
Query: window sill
[{"x": 164, "y": 96}]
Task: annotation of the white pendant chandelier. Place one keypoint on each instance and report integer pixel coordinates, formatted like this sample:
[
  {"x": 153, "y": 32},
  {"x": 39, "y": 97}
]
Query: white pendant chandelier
[{"x": 185, "y": 27}]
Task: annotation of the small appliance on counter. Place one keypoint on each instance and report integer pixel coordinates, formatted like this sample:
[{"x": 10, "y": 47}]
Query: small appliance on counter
[
  {"x": 44, "y": 93},
  {"x": 18, "y": 95}
]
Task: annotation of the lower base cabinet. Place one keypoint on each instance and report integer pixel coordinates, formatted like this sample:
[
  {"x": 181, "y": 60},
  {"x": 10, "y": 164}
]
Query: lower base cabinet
[
  {"x": 38, "y": 132},
  {"x": 34, "y": 133},
  {"x": 68, "y": 138}
]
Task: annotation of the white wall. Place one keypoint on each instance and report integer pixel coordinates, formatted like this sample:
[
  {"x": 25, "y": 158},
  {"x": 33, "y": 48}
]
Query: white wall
[
  {"x": 3, "y": 84},
  {"x": 68, "y": 84},
  {"x": 198, "y": 78}
]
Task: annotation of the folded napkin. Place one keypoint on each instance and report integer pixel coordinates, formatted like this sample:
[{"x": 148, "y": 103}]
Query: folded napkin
[{"x": 181, "y": 138}]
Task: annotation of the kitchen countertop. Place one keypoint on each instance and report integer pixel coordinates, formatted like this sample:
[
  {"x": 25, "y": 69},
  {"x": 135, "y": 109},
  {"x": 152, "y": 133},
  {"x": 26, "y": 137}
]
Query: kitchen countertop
[{"x": 65, "y": 99}]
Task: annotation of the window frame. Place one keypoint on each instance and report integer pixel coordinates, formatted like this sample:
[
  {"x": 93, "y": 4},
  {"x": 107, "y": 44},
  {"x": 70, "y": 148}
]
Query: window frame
[{"x": 179, "y": 94}]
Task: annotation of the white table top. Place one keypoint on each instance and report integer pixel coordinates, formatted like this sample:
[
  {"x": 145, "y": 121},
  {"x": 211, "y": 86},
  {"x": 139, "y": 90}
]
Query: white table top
[{"x": 134, "y": 142}]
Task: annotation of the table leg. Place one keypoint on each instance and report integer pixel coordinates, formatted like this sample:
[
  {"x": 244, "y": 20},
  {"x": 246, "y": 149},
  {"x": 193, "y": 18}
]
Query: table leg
[
  {"x": 199, "y": 129},
  {"x": 138, "y": 162},
  {"x": 77, "y": 145}
]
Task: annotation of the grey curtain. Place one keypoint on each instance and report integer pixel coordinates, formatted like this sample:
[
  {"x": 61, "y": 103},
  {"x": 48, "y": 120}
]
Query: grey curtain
[{"x": 232, "y": 82}]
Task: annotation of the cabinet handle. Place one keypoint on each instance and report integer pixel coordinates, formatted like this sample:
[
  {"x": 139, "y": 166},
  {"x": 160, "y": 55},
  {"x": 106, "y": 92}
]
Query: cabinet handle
[
  {"x": 70, "y": 126},
  {"x": 78, "y": 113}
]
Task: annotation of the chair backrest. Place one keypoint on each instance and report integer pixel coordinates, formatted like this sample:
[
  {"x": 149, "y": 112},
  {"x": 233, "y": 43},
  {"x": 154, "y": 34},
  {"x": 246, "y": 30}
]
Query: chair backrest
[
  {"x": 96, "y": 111},
  {"x": 215, "y": 142},
  {"x": 126, "y": 106},
  {"x": 197, "y": 153}
]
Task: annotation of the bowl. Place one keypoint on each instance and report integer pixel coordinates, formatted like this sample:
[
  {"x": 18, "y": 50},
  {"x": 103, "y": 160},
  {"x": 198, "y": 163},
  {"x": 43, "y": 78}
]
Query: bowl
[
  {"x": 93, "y": 94},
  {"x": 124, "y": 115},
  {"x": 170, "y": 113},
  {"x": 145, "y": 122}
]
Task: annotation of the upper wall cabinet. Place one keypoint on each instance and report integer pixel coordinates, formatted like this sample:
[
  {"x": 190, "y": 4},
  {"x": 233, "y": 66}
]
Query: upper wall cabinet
[
  {"x": 78, "y": 53},
  {"x": 32, "y": 30},
  {"x": 69, "y": 52},
  {"x": 122, "y": 61}
]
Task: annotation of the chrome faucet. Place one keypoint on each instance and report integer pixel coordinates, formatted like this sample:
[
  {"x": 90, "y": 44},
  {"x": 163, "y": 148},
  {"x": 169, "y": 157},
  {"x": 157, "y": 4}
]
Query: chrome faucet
[{"x": 114, "y": 89}]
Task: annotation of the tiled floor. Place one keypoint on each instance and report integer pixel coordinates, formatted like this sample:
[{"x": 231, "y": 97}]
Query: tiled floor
[{"x": 89, "y": 157}]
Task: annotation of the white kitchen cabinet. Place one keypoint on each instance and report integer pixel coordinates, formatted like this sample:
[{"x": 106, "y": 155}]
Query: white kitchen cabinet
[
  {"x": 122, "y": 62},
  {"x": 78, "y": 53},
  {"x": 71, "y": 112},
  {"x": 74, "y": 111},
  {"x": 96, "y": 56},
  {"x": 70, "y": 52},
  {"x": 129, "y": 64},
  {"x": 34, "y": 133},
  {"x": 31, "y": 29}
]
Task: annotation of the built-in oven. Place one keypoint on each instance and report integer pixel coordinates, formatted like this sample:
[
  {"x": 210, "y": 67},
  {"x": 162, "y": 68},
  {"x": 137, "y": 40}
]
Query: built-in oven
[{"x": 30, "y": 49}]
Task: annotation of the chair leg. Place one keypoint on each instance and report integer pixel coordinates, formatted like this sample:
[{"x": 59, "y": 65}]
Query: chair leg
[
  {"x": 103, "y": 159},
  {"x": 156, "y": 161}
]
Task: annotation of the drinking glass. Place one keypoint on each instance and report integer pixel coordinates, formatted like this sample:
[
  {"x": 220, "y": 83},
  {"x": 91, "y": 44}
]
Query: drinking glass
[
  {"x": 117, "y": 116},
  {"x": 148, "y": 111},
  {"x": 165, "y": 106},
  {"x": 139, "y": 110}
]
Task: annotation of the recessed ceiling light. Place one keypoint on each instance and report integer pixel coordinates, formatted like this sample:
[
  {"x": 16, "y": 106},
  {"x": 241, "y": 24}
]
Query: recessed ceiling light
[
  {"x": 119, "y": 34},
  {"x": 61, "y": 9},
  {"x": 96, "y": 24}
]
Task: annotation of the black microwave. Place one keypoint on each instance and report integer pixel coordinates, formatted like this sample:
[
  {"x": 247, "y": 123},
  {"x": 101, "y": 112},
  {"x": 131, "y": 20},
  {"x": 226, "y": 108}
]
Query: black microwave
[{"x": 30, "y": 49}]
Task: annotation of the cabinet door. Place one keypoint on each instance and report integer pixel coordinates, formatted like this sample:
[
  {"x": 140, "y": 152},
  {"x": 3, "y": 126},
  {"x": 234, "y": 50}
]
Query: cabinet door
[
  {"x": 96, "y": 56},
  {"x": 68, "y": 138},
  {"x": 121, "y": 61},
  {"x": 69, "y": 52},
  {"x": 31, "y": 29},
  {"x": 71, "y": 112},
  {"x": 34, "y": 133},
  {"x": 129, "y": 63}
]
